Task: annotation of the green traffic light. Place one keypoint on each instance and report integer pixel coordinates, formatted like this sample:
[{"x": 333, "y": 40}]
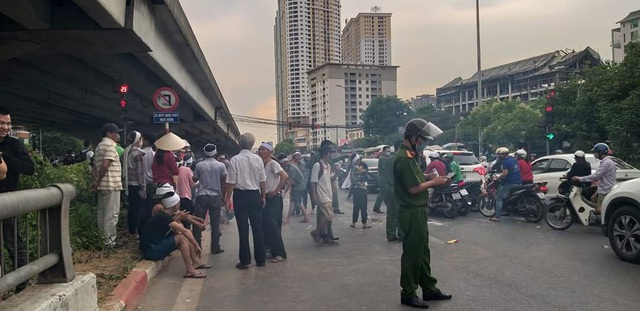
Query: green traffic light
[{"x": 550, "y": 136}]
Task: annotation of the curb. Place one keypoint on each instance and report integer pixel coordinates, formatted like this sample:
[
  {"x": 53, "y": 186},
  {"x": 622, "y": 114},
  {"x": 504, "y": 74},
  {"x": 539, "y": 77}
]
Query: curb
[{"x": 131, "y": 288}]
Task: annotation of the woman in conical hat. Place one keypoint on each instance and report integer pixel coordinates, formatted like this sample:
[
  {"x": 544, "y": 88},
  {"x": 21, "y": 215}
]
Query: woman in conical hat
[{"x": 164, "y": 167}]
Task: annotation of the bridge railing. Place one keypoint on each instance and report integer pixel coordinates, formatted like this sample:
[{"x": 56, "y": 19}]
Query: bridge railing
[{"x": 53, "y": 263}]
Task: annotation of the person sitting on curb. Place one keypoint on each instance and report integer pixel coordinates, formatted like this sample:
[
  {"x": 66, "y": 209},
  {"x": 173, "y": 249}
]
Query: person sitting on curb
[{"x": 163, "y": 234}]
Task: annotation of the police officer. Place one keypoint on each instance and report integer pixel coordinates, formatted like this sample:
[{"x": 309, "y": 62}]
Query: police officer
[
  {"x": 386, "y": 188},
  {"x": 411, "y": 196}
]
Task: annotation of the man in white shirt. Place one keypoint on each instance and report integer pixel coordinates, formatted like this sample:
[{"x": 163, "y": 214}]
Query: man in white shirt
[
  {"x": 276, "y": 181},
  {"x": 246, "y": 179},
  {"x": 322, "y": 195}
]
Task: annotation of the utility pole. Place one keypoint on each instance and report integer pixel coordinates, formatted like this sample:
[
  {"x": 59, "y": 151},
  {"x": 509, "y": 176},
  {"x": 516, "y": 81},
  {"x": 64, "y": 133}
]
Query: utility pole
[{"x": 547, "y": 140}]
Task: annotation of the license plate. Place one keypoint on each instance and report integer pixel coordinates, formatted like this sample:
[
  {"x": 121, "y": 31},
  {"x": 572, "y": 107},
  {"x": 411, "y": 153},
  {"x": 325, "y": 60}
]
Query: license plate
[
  {"x": 464, "y": 192},
  {"x": 456, "y": 196},
  {"x": 542, "y": 196}
]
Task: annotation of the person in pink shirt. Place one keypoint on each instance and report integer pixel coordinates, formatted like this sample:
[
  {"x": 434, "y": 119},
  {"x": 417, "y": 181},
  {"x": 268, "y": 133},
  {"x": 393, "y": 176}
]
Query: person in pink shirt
[{"x": 184, "y": 187}]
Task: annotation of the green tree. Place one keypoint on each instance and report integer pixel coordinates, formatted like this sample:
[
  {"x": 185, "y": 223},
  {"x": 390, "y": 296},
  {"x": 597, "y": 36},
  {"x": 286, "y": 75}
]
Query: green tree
[
  {"x": 384, "y": 115},
  {"x": 55, "y": 144},
  {"x": 506, "y": 123},
  {"x": 286, "y": 146}
]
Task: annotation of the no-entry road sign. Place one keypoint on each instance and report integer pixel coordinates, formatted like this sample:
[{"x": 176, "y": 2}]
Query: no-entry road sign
[{"x": 165, "y": 99}]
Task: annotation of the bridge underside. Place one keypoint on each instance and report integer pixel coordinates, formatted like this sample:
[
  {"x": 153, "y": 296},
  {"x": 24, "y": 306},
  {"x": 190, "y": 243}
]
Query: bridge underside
[{"x": 61, "y": 69}]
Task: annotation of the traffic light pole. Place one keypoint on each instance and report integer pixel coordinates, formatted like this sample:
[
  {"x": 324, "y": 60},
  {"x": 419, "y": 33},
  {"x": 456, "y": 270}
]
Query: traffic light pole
[{"x": 547, "y": 140}]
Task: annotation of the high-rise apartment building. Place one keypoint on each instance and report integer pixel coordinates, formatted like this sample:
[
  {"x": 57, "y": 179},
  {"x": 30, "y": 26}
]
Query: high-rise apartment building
[
  {"x": 307, "y": 35},
  {"x": 340, "y": 94},
  {"x": 629, "y": 31},
  {"x": 366, "y": 39}
]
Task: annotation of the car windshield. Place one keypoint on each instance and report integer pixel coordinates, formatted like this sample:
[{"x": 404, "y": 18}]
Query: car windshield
[
  {"x": 371, "y": 163},
  {"x": 466, "y": 159},
  {"x": 620, "y": 165}
]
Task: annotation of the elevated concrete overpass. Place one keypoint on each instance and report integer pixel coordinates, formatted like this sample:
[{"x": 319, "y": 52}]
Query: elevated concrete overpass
[{"x": 62, "y": 63}]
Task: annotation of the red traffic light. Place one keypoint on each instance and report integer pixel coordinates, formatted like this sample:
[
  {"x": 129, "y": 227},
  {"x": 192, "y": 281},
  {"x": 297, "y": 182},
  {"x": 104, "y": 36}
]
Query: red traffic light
[
  {"x": 124, "y": 88},
  {"x": 123, "y": 103},
  {"x": 548, "y": 108}
]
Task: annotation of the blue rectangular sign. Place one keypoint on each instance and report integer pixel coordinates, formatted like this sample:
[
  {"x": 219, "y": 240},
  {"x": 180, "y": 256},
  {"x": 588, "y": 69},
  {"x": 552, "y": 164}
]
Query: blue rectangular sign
[{"x": 166, "y": 117}]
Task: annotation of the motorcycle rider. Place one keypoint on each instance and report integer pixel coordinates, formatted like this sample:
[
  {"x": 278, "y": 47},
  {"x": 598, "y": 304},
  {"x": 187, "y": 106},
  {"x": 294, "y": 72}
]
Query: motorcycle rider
[
  {"x": 580, "y": 168},
  {"x": 605, "y": 173},
  {"x": 435, "y": 167},
  {"x": 511, "y": 176},
  {"x": 525, "y": 167},
  {"x": 454, "y": 168}
]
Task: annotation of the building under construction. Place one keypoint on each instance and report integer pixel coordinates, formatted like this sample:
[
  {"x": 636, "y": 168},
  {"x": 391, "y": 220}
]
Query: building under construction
[{"x": 525, "y": 79}]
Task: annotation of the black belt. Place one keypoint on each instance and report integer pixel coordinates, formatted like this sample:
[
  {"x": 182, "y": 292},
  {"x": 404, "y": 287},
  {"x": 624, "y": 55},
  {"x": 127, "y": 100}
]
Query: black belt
[{"x": 242, "y": 190}]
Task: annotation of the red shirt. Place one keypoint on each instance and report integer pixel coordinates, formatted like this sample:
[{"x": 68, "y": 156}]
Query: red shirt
[
  {"x": 525, "y": 170},
  {"x": 439, "y": 166},
  {"x": 163, "y": 173}
]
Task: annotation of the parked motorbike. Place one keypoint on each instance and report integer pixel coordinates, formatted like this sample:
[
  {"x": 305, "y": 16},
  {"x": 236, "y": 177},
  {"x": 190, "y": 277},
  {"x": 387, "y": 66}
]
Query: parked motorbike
[
  {"x": 450, "y": 201},
  {"x": 565, "y": 209},
  {"x": 528, "y": 201},
  {"x": 473, "y": 193}
]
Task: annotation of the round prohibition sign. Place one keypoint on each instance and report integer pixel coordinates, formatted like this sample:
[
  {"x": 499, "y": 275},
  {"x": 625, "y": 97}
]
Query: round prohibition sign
[{"x": 166, "y": 99}]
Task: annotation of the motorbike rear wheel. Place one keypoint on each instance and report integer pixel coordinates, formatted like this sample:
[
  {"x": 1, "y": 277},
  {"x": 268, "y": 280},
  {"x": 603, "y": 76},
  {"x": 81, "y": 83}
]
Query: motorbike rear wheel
[
  {"x": 463, "y": 208},
  {"x": 451, "y": 211},
  {"x": 487, "y": 206},
  {"x": 537, "y": 211},
  {"x": 558, "y": 216}
]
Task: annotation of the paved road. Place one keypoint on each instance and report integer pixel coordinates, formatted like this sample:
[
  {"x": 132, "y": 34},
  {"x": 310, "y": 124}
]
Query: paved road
[{"x": 512, "y": 265}]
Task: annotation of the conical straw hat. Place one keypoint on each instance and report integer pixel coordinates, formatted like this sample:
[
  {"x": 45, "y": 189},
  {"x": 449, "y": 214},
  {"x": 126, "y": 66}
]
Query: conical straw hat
[{"x": 170, "y": 142}]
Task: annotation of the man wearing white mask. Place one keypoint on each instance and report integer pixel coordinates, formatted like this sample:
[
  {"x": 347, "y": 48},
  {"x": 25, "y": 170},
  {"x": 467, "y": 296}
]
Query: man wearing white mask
[
  {"x": 133, "y": 172},
  {"x": 211, "y": 176}
]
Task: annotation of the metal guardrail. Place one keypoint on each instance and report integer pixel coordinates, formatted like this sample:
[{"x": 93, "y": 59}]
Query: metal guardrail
[{"x": 54, "y": 263}]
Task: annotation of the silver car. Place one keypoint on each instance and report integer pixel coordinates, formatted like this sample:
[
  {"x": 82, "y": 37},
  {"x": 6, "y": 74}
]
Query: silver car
[{"x": 550, "y": 168}]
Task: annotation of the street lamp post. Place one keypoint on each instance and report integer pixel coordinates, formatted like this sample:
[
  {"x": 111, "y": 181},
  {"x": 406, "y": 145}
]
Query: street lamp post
[{"x": 479, "y": 95}]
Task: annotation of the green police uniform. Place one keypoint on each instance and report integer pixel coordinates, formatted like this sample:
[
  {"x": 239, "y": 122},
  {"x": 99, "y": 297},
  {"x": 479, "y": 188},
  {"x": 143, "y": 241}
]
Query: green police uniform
[
  {"x": 412, "y": 218},
  {"x": 385, "y": 173},
  {"x": 382, "y": 164}
]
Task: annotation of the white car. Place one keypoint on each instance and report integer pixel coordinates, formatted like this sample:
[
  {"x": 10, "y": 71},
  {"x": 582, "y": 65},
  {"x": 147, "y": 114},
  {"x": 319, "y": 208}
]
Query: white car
[
  {"x": 469, "y": 164},
  {"x": 621, "y": 220},
  {"x": 550, "y": 168}
]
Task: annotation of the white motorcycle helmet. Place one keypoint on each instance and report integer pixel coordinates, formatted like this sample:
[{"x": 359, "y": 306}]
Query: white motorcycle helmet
[
  {"x": 579, "y": 154},
  {"x": 522, "y": 153}
]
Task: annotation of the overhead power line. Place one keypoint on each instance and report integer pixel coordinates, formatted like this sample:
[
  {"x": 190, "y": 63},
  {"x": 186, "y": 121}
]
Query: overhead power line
[{"x": 272, "y": 122}]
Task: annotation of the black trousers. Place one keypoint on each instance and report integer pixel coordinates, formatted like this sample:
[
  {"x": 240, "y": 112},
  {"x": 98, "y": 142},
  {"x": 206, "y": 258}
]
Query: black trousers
[
  {"x": 12, "y": 240},
  {"x": 213, "y": 204},
  {"x": 248, "y": 208},
  {"x": 272, "y": 226},
  {"x": 360, "y": 205},
  {"x": 144, "y": 212},
  {"x": 135, "y": 202},
  {"x": 187, "y": 205}
]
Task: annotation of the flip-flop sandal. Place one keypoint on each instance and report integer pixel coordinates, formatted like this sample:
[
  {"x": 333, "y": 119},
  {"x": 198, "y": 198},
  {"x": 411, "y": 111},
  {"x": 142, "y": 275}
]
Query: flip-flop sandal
[
  {"x": 195, "y": 276},
  {"x": 204, "y": 266},
  {"x": 366, "y": 227}
]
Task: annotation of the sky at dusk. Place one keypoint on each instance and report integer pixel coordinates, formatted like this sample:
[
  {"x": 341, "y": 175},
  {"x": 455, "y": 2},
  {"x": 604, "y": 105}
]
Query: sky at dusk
[{"x": 433, "y": 41}]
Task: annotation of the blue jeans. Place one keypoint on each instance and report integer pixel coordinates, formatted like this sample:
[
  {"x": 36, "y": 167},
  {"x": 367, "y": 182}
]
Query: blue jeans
[{"x": 504, "y": 191}]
